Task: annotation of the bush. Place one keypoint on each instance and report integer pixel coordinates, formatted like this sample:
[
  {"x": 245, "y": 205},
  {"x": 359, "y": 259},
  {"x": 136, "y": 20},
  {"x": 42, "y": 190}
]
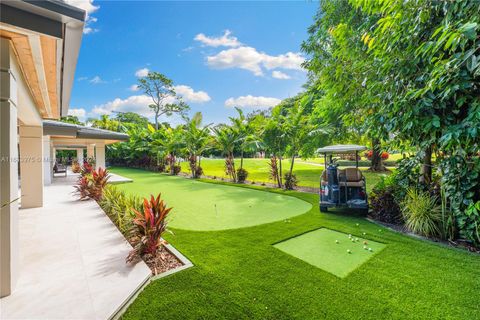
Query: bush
[
  {"x": 151, "y": 222},
  {"x": 76, "y": 168},
  {"x": 290, "y": 181},
  {"x": 118, "y": 206},
  {"x": 242, "y": 175},
  {"x": 92, "y": 185},
  {"x": 384, "y": 206},
  {"x": 469, "y": 223},
  {"x": 198, "y": 172},
  {"x": 369, "y": 155},
  {"x": 176, "y": 169},
  {"x": 421, "y": 212}
]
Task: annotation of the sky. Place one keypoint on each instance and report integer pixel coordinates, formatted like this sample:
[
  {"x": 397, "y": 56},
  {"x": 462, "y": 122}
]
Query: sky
[{"x": 219, "y": 54}]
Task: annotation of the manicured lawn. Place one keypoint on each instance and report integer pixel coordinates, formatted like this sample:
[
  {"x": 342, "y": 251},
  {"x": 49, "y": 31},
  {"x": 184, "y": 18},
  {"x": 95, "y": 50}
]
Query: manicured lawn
[
  {"x": 331, "y": 250},
  {"x": 308, "y": 175},
  {"x": 239, "y": 274},
  {"x": 201, "y": 206}
]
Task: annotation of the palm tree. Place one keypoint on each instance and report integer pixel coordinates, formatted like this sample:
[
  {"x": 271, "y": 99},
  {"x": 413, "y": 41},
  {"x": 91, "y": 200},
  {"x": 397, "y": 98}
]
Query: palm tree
[
  {"x": 105, "y": 123},
  {"x": 248, "y": 139},
  {"x": 226, "y": 138},
  {"x": 197, "y": 139},
  {"x": 171, "y": 143}
]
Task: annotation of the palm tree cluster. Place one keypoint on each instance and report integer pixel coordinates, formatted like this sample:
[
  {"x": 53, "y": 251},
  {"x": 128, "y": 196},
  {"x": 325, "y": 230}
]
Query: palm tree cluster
[{"x": 282, "y": 132}]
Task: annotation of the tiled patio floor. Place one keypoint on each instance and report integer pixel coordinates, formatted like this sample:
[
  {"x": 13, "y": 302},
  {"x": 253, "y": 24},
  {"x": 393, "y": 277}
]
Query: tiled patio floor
[{"x": 72, "y": 261}]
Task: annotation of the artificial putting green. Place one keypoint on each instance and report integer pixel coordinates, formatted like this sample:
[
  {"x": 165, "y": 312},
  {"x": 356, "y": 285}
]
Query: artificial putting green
[
  {"x": 206, "y": 206},
  {"x": 331, "y": 250}
]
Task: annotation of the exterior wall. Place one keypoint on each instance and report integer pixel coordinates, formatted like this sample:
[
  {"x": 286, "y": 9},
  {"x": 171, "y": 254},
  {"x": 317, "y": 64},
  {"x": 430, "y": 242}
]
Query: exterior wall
[
  {"x": 31, "y": 166},
  {"x": 9, "y": 239},
  {"x": 47, "y": 160},
  {"x": 100, "y": 155}
]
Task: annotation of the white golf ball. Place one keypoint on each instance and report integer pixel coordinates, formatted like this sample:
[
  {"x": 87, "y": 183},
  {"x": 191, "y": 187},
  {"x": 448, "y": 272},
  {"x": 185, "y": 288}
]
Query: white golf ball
[
  {"x": 349, "y": 251},
  {"x": 370, "y": 249}
]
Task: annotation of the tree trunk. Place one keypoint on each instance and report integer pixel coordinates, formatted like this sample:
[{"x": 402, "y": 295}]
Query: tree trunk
[
  {"x": 156, "y": 120},
  {"x": 426, "y": 170},
  {"x": 234, "y": 173},
  {"x": 291, "y": 165},
  {"x": 280, "y": 173},
  {"x": 376, "y": 162}
]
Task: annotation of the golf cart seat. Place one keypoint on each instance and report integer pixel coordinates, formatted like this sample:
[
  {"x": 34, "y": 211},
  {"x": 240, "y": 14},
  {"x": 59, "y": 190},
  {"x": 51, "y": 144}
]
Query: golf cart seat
[{"x": 351, "y": 177}]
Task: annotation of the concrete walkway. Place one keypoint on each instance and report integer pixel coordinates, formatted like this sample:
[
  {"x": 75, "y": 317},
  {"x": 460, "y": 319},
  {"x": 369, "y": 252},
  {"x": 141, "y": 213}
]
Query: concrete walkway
[{"x": 72, "y": 261}]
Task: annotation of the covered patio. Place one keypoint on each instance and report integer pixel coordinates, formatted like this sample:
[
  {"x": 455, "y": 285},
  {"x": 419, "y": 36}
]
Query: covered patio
[{"x": 72, "y": 261}]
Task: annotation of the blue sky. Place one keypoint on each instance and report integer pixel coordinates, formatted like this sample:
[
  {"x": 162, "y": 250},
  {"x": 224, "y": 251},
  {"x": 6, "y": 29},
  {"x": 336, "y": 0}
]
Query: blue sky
[{"x": 219, "y": 54}]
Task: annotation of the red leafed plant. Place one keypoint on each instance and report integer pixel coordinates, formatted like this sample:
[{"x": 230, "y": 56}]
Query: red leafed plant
[
  {"x": 76, "y": 168},
  {"x": 87, "y": 168},
  {"x": 151, "y": 223},
  {"x": 369, "y": 155},
  {"x": 92, "y": 185}
]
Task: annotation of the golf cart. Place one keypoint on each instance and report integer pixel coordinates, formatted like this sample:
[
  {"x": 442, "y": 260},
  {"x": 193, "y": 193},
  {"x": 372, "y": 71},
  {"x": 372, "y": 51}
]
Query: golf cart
[{"x": 342, "y": 188}]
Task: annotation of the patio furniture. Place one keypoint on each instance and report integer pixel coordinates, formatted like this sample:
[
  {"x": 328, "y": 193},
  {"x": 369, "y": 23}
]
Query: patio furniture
[{"x": 59, "y": 168}]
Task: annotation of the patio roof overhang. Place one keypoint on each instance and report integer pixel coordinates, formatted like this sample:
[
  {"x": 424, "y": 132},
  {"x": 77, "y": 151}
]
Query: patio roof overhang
[
  {"x": 70, "y": 136},
  {"x": 45, "y": 36}
]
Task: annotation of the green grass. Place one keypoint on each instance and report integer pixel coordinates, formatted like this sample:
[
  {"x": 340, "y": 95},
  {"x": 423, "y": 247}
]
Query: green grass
[
  {"x": 331, "y": 250},
  {"x": 308, "y": 175},
  {"x": 239, "y": 274},
  {"x": 200, "y": 206}
]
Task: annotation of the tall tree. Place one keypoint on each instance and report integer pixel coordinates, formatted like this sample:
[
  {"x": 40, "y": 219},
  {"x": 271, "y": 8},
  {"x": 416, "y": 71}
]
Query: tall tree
[
  {"x": 226, "y": 138},
  {"x": 160, "y": 89},
  {"x": 196, "y": 138}
]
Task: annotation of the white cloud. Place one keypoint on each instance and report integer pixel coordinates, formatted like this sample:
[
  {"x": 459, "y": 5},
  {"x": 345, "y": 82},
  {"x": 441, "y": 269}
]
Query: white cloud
[
  {"x": 86, "y": 5},
  {"x": 82, "y": 78},
  {"x": 224, "y": 41},
  {"x": 134, "y": 87},
  {"x": 250, "y": 101},
  {"x": 78, "y": 112},
  {"x": 142, "y": 72},
  {"x": 90, "y": 8},
  {"x": 97, "y": 80},
  {"x": 280, "y": 75},
  {"x": 189, "y": 95},
  {"x": 248, "y": 58},
  {"x": 139, "y": 103}
]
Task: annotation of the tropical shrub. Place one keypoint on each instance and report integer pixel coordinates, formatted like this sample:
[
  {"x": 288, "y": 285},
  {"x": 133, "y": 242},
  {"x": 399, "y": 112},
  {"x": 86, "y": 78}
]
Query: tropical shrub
[
  {"x": 198, "y": 172},
  {"x": 76, "y": 168},
  {"x": 176, "y": 169},
  {"x": 290, "y": 181},
  {"x": 384, "y": 204},
  {"x": 242, "y": 175},
  {"x": 119, "y": 207},
  {"x": 369, "y": 154},
  {"x": 151, "y": 223},
  {"x": 274, "y": 172},
  {"x": 92, "y": 185},
  {"x": 421, "y": 212},
  {"x": 469, "y": 223},
  {"x": 87, "y": 169}
]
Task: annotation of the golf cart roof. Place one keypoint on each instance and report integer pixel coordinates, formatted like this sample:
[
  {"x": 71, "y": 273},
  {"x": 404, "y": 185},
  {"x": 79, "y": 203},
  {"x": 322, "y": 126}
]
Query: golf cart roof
[{"x": 341, "y": 148}]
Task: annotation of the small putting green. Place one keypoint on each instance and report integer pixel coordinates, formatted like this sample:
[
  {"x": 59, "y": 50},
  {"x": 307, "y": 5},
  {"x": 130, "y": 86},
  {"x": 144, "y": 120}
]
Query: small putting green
[
  {"x": 331, "y": 250},
  {"x": 205, "y": 206}
]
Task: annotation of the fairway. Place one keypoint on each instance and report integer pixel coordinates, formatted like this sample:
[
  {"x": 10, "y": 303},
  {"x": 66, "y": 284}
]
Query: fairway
[
  {"x": 330, "y": 250},
  {"x": 205, "y": 206}
]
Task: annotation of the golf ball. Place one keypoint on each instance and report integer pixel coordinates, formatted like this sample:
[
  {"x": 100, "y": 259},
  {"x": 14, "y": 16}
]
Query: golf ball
[
  {"x": 349, "y": 251},
  {"x": 370, "y": 249},
  {"x": 365, "y": 247},
  {"x": 356, "y": 239},
  {"x": 336, "y": 241},
  {"x": 364, "y": 233}
]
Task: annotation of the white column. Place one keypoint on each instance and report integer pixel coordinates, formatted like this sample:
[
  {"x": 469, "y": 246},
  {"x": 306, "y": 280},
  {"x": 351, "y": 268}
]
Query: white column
[
  {"x": 9, "y": 240},
  {"x": 80, "y": 156},
  {"x": 90, "y": 151},
  {"x": 31, "y": 166},
  {"x": 47, "y": 161},
  {"x": 100, "y": 155}
]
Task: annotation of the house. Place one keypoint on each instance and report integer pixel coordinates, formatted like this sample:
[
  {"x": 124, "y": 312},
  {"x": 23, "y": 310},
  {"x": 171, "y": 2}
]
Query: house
[{"x": 40, "y": 43}]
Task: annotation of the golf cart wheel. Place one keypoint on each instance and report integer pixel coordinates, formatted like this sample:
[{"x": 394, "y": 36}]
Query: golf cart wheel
[{"x": 323, "y": 209}]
